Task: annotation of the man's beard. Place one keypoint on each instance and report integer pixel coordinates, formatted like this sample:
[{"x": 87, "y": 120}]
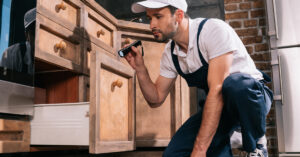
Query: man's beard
[{"x": 165, "y": 37}]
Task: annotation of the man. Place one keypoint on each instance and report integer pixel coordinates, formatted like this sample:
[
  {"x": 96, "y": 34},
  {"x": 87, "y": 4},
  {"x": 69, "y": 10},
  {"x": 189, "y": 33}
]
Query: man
[
  {"x": 20, "y": 56},
  {"x": 209, "y": 55}
]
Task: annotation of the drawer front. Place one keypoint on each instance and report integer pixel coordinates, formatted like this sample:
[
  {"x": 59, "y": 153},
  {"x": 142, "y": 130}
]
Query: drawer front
[
  {"x": 114, "y": 108},
  {"x": 64, "y": 10},
  {"x": 58, "y": 124},
  {"x": 58, "y": 45},
  {"x": 14, "y": 136},
  {"x": 99, "y": 29}
]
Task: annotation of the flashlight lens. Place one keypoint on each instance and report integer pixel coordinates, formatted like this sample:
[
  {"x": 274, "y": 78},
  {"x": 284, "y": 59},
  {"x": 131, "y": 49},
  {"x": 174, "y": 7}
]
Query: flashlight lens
[{"x": 121, "y": 54}]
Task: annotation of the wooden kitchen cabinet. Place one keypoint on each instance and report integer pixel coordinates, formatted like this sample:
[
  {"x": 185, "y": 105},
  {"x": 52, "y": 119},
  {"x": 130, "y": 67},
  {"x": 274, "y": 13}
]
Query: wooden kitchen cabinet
[{"x": 79, "y": 72}]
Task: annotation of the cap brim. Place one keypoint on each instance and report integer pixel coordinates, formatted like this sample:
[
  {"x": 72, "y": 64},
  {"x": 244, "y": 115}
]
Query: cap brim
[
  {"x": 141, "y": 6},
  {"x": 28, "y": 24}
]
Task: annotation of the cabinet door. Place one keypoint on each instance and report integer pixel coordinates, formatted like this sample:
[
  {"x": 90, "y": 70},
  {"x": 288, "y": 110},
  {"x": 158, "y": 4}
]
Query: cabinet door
[{"x": 112, "y": 119}]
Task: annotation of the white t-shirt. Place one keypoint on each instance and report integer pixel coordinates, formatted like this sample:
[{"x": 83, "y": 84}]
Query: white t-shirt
[{"x": 216, "y": 38}]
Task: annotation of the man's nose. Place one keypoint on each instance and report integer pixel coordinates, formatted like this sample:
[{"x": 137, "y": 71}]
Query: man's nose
[{"x": 153, "y": 24}]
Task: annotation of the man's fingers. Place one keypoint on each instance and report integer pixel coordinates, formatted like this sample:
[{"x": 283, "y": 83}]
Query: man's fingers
[{"x": 135, "y": 51}]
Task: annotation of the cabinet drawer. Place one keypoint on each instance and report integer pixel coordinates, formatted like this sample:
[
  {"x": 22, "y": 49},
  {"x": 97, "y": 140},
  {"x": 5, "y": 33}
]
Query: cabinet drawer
[
  {"x": 14, "y": 136},
  {"x": 60, "y": 124},
  {"x": 99, "y": 30},
  {"x": 65, "y": 12},
  {"x": 58, "y": 45},
  {"x": 112, "y": 105}
]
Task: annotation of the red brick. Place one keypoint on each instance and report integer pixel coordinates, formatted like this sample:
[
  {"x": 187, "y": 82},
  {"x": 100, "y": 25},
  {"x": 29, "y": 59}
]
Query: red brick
[
  {"x": 263, "y": 66},
  {"x": 258, "y": 39},
  {"x": 257, "y": 13},
  {"x": 250, "y": 23},
  {"x": 249, "y": 40},
  {"x": 258, "y": 4},
  {"x": 232, "y": 1},
  {"x": 231, "y": 7},
  {"x": 247, "y": 32},
  {"x": 236, "y": 15},
  {"x": 261, "y": 47},
  {"x": 235, "y": 24},
  {"x": 261, "y": 57},
  {"x": 249, "y": 49},
  {"x": 245, "y": 6}
]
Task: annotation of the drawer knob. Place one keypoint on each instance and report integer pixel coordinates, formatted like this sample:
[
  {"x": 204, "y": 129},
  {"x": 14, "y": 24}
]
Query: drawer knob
[
  {"x": 117, "y": 83},
  {"x": 100, "y": 32},
  {"x": 61, "y": 45},
  {"x": 60, "y": 6},
  {"x": 127, "y": 41}
]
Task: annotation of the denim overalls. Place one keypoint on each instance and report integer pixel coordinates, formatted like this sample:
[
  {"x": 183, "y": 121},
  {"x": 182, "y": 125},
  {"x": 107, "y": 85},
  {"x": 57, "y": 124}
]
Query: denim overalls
[{"x": 247, "y": 101}]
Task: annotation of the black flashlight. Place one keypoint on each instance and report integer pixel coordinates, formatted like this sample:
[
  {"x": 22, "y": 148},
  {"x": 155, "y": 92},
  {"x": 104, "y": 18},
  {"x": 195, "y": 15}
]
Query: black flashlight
[{"x": 124, "y": 51}]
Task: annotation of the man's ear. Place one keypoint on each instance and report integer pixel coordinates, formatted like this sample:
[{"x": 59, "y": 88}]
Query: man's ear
[{"x": 179, "y": 15}]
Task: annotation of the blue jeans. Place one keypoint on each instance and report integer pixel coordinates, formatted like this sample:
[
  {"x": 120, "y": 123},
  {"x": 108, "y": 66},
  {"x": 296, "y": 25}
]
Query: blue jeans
[{"x": 246, "y": 105}]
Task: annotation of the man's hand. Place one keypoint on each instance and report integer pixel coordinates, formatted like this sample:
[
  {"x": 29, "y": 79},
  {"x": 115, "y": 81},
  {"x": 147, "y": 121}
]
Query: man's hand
[{"x": 135, "y": 59}]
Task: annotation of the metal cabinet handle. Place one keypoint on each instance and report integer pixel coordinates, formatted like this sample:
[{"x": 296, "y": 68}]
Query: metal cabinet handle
[
  {"x": 117, "y": 83},
  {"x": 61, "y": 45},
  {"x": 60, "y": 6},
  {"x": 100, "y": 32}
]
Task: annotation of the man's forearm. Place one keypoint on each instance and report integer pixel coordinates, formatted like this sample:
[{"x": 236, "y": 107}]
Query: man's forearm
[
  {"x": 210, "y": 120},
  {"x": 147, "y": 87}
]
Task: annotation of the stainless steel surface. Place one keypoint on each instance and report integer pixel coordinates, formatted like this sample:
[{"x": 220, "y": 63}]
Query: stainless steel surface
[
  {"x": 288, "y": 111},
  {"x": 283, "y": 22},
  {"x": 16, "y": 98}
]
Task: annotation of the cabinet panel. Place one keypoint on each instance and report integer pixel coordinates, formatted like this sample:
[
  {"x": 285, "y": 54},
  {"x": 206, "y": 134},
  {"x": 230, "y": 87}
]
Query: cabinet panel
[
  {"x": 112, "y": 105},
  {"x": 114, "y": 108},
  {"x": 154, "y": 126}
]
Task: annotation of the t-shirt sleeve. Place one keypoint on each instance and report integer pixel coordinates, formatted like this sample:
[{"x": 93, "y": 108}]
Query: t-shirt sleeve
[
  {"x": 167, "y": 68},
  {"x": 218, "y": 38}
]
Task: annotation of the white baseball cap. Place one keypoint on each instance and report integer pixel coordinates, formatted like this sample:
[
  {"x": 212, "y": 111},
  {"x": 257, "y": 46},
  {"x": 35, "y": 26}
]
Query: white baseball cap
[{"x": 154, "y": 4}]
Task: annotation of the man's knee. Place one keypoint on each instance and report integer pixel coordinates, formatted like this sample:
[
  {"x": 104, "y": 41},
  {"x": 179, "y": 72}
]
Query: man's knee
[{"x": 237, "y": 84}]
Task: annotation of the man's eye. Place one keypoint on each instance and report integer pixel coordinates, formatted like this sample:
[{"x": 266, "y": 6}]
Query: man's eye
[{"x": 158, "y": 17}]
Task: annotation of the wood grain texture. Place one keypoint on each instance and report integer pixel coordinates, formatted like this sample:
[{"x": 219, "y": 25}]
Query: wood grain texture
[
  {"x": 14, "y": 136},
  {"x": 99, "y": 30},
  {"x": 48, "y": 35},
  {"x": 68, "y": 17},
  {"x": 153, "y": 124}
]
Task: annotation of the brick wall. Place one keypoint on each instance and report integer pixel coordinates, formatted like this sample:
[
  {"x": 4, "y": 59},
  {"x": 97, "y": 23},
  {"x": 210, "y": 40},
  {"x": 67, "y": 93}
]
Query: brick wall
[{"x": 248, "y": 18}]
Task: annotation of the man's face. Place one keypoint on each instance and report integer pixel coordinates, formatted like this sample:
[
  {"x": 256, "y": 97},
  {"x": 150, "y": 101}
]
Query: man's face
[{"x": 162, "y": 23}]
